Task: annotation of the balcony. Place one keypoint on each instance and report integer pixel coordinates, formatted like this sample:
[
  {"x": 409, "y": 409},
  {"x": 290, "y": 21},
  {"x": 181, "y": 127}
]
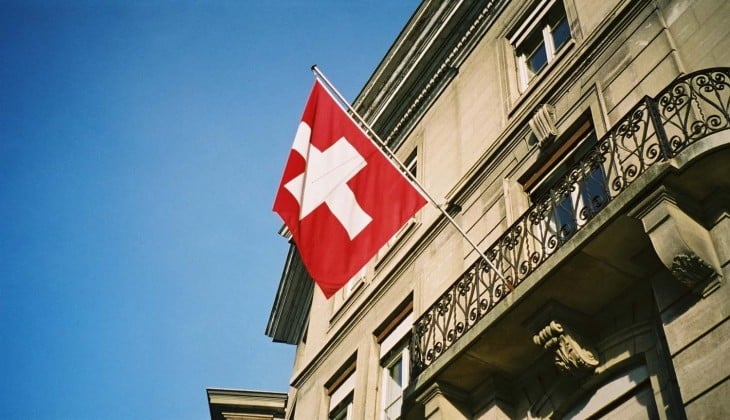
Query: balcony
[{"x": 575, "y": 214}]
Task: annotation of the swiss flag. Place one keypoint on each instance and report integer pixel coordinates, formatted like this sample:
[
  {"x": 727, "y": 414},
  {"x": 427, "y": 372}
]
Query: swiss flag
[{"x": 340, "y": 196}]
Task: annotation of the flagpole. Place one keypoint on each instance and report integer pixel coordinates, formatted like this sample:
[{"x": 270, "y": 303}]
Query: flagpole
[{"x": 384, "y": 147}]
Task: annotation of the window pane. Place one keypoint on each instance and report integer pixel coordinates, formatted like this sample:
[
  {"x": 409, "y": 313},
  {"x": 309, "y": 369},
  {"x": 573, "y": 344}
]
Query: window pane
[
  {"x": 558, "y": 23},
  {"x": 561, "y": 33},
  {"x": 533, "y": 50},
  {"x": 593, "y": 192},
  {"x": 411, "y": 163},
  {"x": 394, "y": 382},
  {"x": 537, "y": 60},
  {"x": 396, "y": 372},
  {"x": 342, "y": 412},
  {"x": 563, "y": 219},
  {"x": 340, "y": 415}
]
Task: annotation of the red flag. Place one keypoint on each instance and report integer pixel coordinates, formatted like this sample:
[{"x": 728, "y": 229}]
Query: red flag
[{"x": 340, "y": 196}]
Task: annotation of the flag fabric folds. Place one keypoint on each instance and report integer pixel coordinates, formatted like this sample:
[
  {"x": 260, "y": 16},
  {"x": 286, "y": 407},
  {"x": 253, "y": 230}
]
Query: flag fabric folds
[{"x": 340, "y": 196}]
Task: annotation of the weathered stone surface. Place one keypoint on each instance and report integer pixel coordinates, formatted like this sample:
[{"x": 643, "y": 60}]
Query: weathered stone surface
[
  {"x": 713, "y": 405},
  {"x": 705, "y": 363}
]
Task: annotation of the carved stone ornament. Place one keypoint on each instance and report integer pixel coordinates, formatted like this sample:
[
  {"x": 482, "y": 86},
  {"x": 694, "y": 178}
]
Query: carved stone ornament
[
  {"x": 542, "y": 124},
  {"x": 571, "y": 355},
  {"x": 691, "y": 270}
]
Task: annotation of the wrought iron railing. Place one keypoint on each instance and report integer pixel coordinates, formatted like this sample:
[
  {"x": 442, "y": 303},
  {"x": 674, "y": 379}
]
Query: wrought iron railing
[{"x": 656, "y": 129}]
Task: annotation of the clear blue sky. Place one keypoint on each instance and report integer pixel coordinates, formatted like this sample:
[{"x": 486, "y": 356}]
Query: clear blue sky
[{"x": 141, "y": 144}]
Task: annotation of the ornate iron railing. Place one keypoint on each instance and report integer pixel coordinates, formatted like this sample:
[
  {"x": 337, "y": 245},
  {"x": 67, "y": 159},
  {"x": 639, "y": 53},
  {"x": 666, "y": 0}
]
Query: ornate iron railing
[{"x": 656, "y": 129}]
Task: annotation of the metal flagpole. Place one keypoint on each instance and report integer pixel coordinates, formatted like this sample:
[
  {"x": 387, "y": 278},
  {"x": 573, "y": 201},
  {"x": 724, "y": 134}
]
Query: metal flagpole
[{"x": 407, "y": 173}]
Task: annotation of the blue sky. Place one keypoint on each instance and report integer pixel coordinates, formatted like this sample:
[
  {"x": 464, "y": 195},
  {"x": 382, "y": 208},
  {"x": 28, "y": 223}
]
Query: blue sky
[{"x": 141, "y": 144}]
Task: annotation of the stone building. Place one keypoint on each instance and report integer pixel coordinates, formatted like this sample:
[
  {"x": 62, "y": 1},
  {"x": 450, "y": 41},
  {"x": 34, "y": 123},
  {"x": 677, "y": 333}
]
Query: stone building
[
  {"x": 584, "y": 145},
  {"x": 232, "y": 404}
]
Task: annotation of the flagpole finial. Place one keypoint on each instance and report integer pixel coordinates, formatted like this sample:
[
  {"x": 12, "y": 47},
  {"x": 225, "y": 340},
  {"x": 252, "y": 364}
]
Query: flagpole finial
[{"x": 314, "y": 67}]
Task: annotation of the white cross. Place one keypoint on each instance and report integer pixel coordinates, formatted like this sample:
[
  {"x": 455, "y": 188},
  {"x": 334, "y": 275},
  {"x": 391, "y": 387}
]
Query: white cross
[{"x": 324, "y": 181}]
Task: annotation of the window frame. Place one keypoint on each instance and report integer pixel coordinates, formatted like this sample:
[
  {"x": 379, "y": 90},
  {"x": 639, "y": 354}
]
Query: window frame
[
  {"x": 537, "y": 25},
  {"x": 401, "y": 355},
  {"x": 342, "y": 411},
  {"x": 340, "y": 391},
  {"x": 393, "y": 336}
]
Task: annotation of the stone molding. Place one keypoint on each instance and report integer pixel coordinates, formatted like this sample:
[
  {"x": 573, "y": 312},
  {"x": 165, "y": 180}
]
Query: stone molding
[
  {"x": 443, "y": 401},
  {"x": 426, "y": 49},
  {"x": 495, "y": 395}
]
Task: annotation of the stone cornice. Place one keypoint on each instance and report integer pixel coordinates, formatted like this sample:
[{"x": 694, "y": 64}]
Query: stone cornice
[
  {"x": 273, "y": 401},
  {"x": 423, "y": 59}
]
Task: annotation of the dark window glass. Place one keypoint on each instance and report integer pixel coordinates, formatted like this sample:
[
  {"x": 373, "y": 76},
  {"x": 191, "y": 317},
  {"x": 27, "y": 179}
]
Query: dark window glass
[
  {"x": 534, "y": 52},
  {"x": 561, "y": 33},
  {"x": 411, "y": 163},
  {"x": 537, "y": 60},
  {"x": 593, "y": 192},
  {"x": 396, "y": 372},
  {"x": 563, "y": 221},
  {"x": 340, "y": 412}
]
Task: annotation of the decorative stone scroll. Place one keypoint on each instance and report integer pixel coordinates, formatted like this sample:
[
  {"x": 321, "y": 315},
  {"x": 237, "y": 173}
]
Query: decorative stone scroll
[
  {"x": 572, "y": 353},
  {"x": 542, "y": 124}
]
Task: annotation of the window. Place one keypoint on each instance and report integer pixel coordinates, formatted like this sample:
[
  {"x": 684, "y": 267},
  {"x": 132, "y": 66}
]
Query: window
[
  {"x": 584, "y": 198},
  {"x": 395, "y": 379},
  {"x": 537, "y": 42},
  {"x": 342, "y": 411},
  {"x": 393, "y": 338},
  {"x": 341, "y": 391},
  {"x": 569, "y": 205},
  {"x": 350, "y": 289},
  {"x": 355, "y": 282}
]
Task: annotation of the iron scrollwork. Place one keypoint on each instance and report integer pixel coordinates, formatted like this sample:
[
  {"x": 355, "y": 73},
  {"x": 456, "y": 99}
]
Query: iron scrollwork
[{"x": 656, "y": 129}]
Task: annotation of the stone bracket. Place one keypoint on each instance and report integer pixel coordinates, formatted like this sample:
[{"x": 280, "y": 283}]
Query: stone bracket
[
  {"x": 682, "y": 243},
  {"x": 572, "y": 353},
  {"x": 543, "y": 125},
  {"x": 556, "y": 329}
]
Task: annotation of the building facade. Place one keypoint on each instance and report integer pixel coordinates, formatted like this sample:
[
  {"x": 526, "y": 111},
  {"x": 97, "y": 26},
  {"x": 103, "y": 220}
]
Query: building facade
[{"x": 584, "y": 146}]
